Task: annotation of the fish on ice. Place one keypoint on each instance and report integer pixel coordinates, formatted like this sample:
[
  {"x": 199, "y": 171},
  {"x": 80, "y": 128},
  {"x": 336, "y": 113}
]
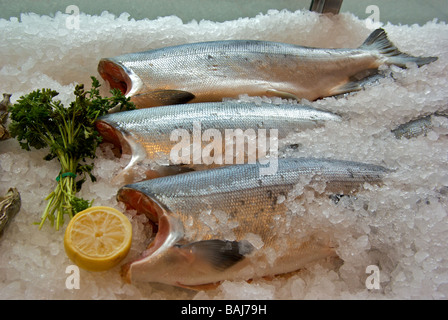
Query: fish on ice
[
  {"x": 154, "y": 136},
  {"x": 421, "y": 125},
  {"x": 230, "y": 223},
  {"x": 211, "y": 71}
]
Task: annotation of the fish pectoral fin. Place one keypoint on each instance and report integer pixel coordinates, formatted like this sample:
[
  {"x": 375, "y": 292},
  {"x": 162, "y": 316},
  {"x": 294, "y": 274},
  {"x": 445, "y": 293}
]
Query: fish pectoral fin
[
  {"x": 346, "y": 87},
  {"x": 162, "y": 97},
  {"x": 221, "y": 254},
  {"x": 358, "y": 82},
  {"x": 282, "y": 94},
  {"x": 174, "y": 169}
]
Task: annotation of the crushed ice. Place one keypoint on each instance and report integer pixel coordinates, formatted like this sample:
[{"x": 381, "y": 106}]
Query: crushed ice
[{"x": 401, "y": 227}]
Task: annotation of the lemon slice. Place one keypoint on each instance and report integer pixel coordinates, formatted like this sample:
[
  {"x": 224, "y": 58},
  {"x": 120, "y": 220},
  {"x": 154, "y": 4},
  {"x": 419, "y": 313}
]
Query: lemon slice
[{"x": 98, "y": 238}]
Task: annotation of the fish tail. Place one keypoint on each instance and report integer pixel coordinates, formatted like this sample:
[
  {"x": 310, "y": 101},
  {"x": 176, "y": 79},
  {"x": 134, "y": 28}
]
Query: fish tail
[{"x": 378, "y": 41}]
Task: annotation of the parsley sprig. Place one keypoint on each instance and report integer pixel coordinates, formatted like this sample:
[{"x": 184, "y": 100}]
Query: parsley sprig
[{"x": 39, "y": 121}]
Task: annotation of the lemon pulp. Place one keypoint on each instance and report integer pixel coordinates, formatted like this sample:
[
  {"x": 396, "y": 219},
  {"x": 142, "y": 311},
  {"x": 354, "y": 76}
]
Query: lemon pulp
[{"x": 98, "y": 238}]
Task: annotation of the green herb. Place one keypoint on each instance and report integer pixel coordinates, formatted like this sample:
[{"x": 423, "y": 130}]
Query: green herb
[{"x": 38, "y": 121}]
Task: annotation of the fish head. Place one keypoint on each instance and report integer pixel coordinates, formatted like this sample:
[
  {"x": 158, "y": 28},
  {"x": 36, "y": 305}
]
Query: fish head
[
  {"x": 110, "y": 134},
  {"x": 119, "y": 76},
  {"x": 125, "y": 142},
  {"x": 159, "y": 256},
  {"x": 164, "y": 260},
  {"x": 122, "y": 72},
  {"x": 173, "y": 259}
]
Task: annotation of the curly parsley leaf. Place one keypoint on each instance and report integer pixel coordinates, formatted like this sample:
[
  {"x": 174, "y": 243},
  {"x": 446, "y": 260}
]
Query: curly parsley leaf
[{"x": 39, "y": 121}]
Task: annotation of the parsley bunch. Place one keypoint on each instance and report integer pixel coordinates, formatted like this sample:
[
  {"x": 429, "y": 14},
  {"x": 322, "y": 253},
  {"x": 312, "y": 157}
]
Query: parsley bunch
[{"x": 38, "y": 121}]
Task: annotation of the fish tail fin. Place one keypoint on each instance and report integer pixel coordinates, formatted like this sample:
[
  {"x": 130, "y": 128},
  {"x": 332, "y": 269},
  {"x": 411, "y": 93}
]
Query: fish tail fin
[{"x": 378, "y": 41}]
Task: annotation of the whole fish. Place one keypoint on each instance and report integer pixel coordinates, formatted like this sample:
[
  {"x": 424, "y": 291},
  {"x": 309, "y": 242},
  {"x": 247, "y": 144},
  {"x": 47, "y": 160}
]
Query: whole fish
[
  {"x": 413, "y": 128},
  {"x": 152, "y": 134},
  {"x": 419, "y": 126},
  {"x": 231, "y": 223},
  {"x": 9, "y": 206},
  {"x": 210, "y": 71}
]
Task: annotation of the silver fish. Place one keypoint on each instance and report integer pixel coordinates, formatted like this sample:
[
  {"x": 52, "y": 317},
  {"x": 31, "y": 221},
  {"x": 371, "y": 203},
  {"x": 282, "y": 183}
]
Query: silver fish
[
  {"x": 210, "y": 71},
  {"x": 419, "y": 126},
  {"x": 146, "y": 134},
  {"x": 9, "y": 207},
  {"x": 413, "y": 128},
  {"x": 231, "y": 223}
]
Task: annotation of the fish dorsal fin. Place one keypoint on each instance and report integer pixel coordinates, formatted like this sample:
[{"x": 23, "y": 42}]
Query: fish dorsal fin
[
  {"x": 378, "y": 40},
  {"x": 221, "y": 254}
]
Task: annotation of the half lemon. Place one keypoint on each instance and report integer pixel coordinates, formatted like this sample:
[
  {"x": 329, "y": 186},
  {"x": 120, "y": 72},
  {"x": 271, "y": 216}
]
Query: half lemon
[{"x": 98, "y": 238}]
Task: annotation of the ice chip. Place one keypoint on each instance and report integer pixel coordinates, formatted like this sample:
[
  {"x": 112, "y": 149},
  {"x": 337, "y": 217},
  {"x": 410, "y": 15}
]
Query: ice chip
[
  {"x": 255, "y": 240},
  {"x": 420, "y": 256}
]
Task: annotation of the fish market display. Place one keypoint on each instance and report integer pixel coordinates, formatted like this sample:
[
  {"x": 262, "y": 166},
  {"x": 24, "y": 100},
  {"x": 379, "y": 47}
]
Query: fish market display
[
  {"x": 210, "y": 71},
  {"x": 395, "y": 229},
  {"x": 230, "y": 223},
  {"x": 9, "y": 206},
  {"x": 147, "y": 133}
]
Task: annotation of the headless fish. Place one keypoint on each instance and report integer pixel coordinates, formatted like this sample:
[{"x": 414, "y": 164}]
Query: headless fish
[
  {"x": 147, "y": 134},
  {"x": 210, "y": 71},
  {"x": 228, "y": 223}
]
